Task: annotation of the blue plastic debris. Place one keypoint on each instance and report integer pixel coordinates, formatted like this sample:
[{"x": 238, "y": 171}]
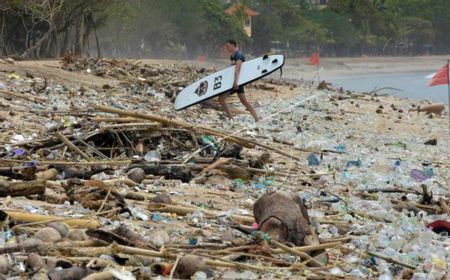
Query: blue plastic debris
[
  {"x": 339, "y": 148},
  {"x": 313, "y": 160},
  {"x": 356, "y": 163}
]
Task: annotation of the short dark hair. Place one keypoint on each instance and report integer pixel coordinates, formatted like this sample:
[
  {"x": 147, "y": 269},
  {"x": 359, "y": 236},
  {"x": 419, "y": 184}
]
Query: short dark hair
[{"x": 233, "y": 42}]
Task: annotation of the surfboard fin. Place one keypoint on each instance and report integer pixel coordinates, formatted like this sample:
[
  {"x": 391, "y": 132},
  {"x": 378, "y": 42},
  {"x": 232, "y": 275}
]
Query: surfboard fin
[
  {"x": 266, "y": 56},
  {"x": 275, "y": 61},
  {"x": 264, "y": 71}
]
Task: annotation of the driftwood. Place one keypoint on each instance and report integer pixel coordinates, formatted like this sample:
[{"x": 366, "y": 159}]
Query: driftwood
[
  {"x": 169, "y": 122},
  {"x": 215, "y": 164},
  {"x": 95, "y": 195},
  {"x": 121, "y": 235},
  {"x": 20, "y": 172},
  {"x": 169, "y": 171},
  {"x": 225, "y": 135},
  {"x": 76, "y": 272},
  {"x": 436, "y": 109},
  {"x": 25, "y": 246},
  {"x": 23, "y": 188}
]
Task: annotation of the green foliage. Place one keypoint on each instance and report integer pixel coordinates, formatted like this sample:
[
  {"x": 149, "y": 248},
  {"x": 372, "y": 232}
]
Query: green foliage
[
  {"x": 169, "y": 28},
  {"x": 187, "y": 28},
  {"x": 339, "y": 27}
]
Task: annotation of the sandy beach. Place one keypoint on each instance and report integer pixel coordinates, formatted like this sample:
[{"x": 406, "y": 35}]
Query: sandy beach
[
  {"x": 365, "y": 65},
  {"x": 359, "y": 162}
]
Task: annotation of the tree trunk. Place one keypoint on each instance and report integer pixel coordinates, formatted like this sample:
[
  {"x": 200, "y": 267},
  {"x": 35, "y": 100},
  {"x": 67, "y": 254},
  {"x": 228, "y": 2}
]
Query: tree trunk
[
  {"x": 2, "y": 38},
  {"x": 38, "y": 44},
  {"x": 65, "y": 42},
  {"x": 79, "y": 36},
  {"x": 92, "y": 24},
  {"x": 86, "y": 32}
]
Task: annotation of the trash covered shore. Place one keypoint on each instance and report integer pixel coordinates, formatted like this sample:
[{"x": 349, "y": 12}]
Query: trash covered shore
[{"x": 101, "y": 179}]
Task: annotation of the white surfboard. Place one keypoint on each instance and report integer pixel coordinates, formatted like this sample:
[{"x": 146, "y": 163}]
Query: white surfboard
[{"x": 222, "y": 81}]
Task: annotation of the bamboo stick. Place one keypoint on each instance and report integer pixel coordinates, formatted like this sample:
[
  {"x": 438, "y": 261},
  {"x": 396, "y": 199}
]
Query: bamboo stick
[
  {"x": 82, "y": 243},
  {"x": 131, "y": 125},
  {"x": 84, "y": 251},
  {"x": 116, "y": 248},
  {"x": 341, "y": 239},
  {"x": 311, "y": 248},
  {"x": 33, "y": 218},
  {"x": 119, "y": 120},
  {"x": 125, "y": 181},
  {"x": 104, "y": 275},
  {"x": 270, "y": 172},
  {"x": 90, "y": 163},
  {"x": 72, "y": 146},
  {"x": 215, "y": 164},
  {"x": 444, "y": 206},
  {"x": 300, "y": 254},
  {"x": 391, "y": 260},
  {"x": 254, "y": 143},
  {"x": 29, "y": 98},
  {"x": 182, "y": 210}
]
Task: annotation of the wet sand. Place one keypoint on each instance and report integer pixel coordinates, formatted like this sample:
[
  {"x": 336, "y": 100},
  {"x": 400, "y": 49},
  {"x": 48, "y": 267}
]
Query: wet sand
[{"x": 364, "y": 65}]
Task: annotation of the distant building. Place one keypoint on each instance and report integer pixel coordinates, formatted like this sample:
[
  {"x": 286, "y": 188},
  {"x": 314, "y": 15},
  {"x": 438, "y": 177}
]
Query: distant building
[
  {"x": 246, "y": 15},
  {"x": 318, "y": 3}
]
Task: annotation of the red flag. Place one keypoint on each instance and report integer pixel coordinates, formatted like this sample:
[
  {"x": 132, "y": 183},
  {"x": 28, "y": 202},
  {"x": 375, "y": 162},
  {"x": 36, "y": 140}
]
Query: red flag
[
  {"x": 441, "y": 77},
  {"x": 314, "y": 59}
]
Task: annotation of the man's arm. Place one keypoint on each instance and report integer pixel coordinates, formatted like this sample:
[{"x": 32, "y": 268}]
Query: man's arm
[{"x": 237, "y": 71}]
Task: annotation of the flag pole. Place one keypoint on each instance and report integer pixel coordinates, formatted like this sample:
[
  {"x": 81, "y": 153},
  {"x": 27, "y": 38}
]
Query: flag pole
[{"x": 448, "y": 87}]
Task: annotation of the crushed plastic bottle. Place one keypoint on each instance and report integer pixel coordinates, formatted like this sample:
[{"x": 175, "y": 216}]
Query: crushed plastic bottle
[
  {"x": 355, "y": 163},
  {"x": 336, "y": 271},
  {"x": 197, "y": 216},
  {"x": 138, "y": 213},
  {"x": 199, "y": 275},
  {"x": 152, "y": 156},
  {"x": 340, "y": 148},
  {"x": 313, "y": 160}
]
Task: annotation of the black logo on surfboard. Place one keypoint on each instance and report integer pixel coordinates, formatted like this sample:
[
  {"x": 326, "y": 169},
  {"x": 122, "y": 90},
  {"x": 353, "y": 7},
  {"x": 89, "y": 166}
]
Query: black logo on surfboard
[{"x": 202, "y": 88}]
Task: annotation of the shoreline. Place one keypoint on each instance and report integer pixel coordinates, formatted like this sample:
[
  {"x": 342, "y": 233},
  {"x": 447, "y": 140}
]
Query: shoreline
[{"x": 360, "y": 66}]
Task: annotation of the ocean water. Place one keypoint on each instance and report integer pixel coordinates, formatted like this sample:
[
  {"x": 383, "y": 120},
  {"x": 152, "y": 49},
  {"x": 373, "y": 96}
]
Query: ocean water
[{"x": 413, "y": 85}]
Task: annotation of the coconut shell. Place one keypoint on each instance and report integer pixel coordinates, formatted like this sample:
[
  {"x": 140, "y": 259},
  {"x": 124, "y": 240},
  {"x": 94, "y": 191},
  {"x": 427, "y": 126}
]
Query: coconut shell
[
  {"x": 61, "y": 227},
  {"x": 4, "y": 264},
  {"x": 77, "y": 235},
  {"x": 48, "y": 234},
  {"x": 136, "y": 175},
  {"x": 34, "y": 261},
  {"x": 189, "y": 265}
]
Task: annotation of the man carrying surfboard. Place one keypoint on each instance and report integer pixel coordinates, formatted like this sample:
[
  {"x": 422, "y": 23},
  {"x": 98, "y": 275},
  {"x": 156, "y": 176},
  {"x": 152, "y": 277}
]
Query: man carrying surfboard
[{"x": 237, "y": 58}]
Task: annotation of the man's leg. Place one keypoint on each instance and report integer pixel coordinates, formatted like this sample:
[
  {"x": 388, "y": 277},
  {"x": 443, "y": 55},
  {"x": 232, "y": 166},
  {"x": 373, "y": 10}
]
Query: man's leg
[
  {"x": 224, "y": 105},
  {"x": 247, "y": 105}
]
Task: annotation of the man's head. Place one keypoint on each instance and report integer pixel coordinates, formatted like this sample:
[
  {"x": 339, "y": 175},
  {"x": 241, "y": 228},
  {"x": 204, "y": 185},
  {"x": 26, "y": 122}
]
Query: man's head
[{"x": 231, "y": 46}]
